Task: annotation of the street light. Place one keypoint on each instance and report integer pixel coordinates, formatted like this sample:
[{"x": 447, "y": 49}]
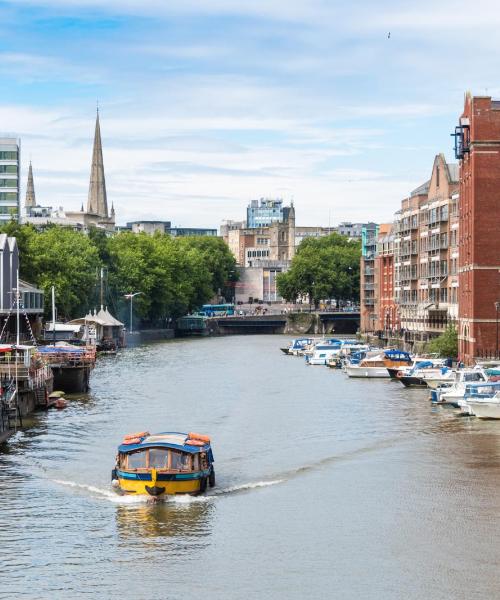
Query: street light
[
  {"x": 497, "y": 308},
  {"x": 131, "y": 298}
]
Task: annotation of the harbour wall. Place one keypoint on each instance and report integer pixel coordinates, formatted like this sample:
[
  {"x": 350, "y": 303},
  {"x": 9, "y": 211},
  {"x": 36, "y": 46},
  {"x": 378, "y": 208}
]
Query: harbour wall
[{"x": 318, "y": 323}]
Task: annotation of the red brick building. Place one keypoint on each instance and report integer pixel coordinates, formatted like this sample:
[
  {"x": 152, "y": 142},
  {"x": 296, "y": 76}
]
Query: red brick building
[
  {"x": 388, "y": 313},
  {"x": 477, "y": 145}
]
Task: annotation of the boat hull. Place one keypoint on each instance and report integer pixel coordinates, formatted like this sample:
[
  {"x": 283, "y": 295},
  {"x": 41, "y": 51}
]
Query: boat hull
[
  {"x": 485, "y": 410},
  {"x": 143, "y": 485},
  {"x": 413, "y": 382},
  {"x": 367, "y": 372}
]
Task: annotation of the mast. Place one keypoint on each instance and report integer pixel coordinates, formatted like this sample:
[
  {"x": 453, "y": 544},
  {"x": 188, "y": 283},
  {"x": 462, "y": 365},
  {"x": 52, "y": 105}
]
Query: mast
[
  {"x": 102, "y": 287},
  {"x": 54, "y": 314}
]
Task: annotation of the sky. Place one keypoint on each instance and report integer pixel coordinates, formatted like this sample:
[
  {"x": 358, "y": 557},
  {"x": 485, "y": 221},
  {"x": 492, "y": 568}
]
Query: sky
[{"x": 204, "y": 105}]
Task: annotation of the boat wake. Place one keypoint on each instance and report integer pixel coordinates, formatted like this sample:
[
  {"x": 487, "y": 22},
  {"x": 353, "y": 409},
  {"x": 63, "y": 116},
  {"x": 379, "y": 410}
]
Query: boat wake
[
  {"x": 244, "y": 487},
  {"x": 102, "y": 493},
  {"x": 182, "y": 499}
]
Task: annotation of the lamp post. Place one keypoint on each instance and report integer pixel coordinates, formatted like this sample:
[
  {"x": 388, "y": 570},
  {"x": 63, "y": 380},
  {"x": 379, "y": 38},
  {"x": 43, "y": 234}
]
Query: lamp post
[
  {"x": 131, "y": 298},
  {"x": 497, "y": 308}
]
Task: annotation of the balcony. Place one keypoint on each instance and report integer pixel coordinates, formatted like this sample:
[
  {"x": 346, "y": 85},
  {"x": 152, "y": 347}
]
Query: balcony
[{"x": 369, "y": 286}]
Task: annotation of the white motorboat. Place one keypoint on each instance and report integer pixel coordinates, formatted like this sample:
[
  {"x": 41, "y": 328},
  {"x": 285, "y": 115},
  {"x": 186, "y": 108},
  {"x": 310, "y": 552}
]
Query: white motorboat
[
  {"x": 376, "y": 364},
  {"x": 456, "y": 391},
  {"x": 482, "y": 400},
  {"x": 322, "y": 354}
]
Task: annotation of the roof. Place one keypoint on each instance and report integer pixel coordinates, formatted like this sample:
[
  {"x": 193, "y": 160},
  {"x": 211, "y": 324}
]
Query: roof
[
  {"x": 453, "y": 171},
  {"x": 62, "y": 326},
  {"x": 103, "y": 318},
  {"x": 421, "y": 190},
  {"x": 166, "y": 439}
]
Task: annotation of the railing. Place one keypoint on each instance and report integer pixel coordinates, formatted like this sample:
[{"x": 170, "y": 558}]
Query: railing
[{"x": 66, "y": 359}]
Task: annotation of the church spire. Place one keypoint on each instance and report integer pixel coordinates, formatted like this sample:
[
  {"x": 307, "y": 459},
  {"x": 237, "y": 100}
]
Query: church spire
[
  {"x": 97, "y": 203},
  {"x": 30, "y": 190}
]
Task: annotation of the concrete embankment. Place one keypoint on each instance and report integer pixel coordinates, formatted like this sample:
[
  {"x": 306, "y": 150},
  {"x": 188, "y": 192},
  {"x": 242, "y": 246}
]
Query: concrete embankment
[{"x": 318, "y": 323}]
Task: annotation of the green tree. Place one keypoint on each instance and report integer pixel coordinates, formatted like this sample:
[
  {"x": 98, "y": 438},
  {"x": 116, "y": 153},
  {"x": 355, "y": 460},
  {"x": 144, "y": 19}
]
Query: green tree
[
  {"x": 66, "y": 259},
  {"x": 323, "y": 268},
  {"x": 446, "y": 345}
]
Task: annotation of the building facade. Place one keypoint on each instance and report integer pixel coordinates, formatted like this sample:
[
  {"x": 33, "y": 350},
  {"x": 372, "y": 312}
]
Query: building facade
[
  {"x": 368, "y": 305},
  {"x": 385, "y": 305},
  {"x": 10, "y": 151},
  {"x": 477, "y": 147},
  {"x": 420, "y": 253},
  {"x": 264, "y": 212}
]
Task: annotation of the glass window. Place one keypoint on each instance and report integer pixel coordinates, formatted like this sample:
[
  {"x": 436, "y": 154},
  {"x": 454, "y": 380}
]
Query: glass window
[
  {"x": 175, "y": 460},
  {"x": 8, "y": 155},
  {"x": 196, "y": 462},
  {"x": 158, "y": 458},
  {"x": 137, "y": 460},
  {"x": 8, "y": 169},
  {"x": 9, "y": 196},
  {"x": 187, "y": 462},
  {"x": 8, "y": 182}
]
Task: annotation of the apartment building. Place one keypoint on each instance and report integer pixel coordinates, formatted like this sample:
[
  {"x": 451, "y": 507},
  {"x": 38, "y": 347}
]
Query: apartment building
[
  {"x": 477, "y": 147},
  {"x": 426, "y": 255}
]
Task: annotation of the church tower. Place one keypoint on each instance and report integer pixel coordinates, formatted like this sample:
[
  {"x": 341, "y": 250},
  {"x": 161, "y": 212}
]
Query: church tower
[
  {"x": 97, "y": 203},
  {"x": 30, "y": 201}
]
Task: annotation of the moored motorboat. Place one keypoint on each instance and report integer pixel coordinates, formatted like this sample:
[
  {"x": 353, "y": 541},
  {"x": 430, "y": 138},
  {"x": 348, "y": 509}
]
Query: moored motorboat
[
  {"x": 377, "y": 364},
  {"x": 164, "y": 464},
  {"x": 481, "y": 400},
  {"x": 417, "y": 375},
  {"x": 297, "y": 345}
]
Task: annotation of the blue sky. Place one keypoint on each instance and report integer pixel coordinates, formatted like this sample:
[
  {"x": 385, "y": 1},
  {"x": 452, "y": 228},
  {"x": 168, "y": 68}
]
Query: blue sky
[{"x": 205, "y": 105}]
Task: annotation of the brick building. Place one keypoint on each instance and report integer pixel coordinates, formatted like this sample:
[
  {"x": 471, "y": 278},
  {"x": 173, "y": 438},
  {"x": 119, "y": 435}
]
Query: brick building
[
  {"x": 387, "y": 309},
  {"x": 477, "y": 146}
]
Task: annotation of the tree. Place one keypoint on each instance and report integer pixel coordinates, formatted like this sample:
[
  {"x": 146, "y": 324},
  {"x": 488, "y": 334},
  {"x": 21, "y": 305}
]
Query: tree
[
  {"x": 446, "y": 345},
  {"x": 323, "y": 268},
  {"x": 65, "y": 259}
]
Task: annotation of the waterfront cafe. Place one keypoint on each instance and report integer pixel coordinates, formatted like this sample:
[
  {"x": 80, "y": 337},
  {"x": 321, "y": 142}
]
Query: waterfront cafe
[{"x": 100, "y": 327}]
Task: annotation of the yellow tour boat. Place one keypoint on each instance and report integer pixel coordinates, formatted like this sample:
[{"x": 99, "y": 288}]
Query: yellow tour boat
[{"x": 163, "y": 464}]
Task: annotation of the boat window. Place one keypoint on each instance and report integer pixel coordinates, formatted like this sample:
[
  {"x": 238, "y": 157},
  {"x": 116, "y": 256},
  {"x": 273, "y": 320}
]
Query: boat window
[
  {"x": 158, "y": 458},
  {"x": 196, "y": 462},
  {"x": 175, "y": 460},
  {"x": 122, "y": 461},
  {"x": 137, "y": 460},
  {"x": 187, "y": 462}
]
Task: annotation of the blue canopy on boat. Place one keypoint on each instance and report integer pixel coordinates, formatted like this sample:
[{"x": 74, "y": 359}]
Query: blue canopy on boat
[
  {"x": 166, "y": 439},
  {"x": 400, "y": 354},
  {"x": 61, "y": 349}
]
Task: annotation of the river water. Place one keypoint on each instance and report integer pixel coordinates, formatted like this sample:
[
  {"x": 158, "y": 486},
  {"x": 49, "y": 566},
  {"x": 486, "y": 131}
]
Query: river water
[{"x": 326, "y": 487}]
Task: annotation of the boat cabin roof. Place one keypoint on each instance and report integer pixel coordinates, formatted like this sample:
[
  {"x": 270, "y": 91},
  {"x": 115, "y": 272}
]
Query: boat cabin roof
[{"x": 166, "y": 439}]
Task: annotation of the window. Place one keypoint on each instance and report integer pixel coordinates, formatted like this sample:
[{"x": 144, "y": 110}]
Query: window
[
  {"x": 8, "y": 196},
  {"x": 175, "y": 460},
  {"x": 8, "y": 169},
  {"x": 8, "y": 182},
  {"x": 158, "y": 458},
  {"x": 8, "y": 155},
  {"x": 138, "y": 460}
]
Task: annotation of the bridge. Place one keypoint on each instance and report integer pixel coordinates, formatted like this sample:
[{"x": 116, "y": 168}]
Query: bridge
[{"x": 346, "y": 323}]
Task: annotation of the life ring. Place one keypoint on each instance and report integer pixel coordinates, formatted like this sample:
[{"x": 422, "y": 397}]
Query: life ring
[
  {"x": 198, "y": 436},
  {"x": 130, "y": 436},
  {"x": 399, "y": 374}
]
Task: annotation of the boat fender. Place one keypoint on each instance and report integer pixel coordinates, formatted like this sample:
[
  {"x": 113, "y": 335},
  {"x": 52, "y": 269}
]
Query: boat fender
[
  {"x": 114, "y": 475},
  {"x": 136, "y": 435},
  {"x": 198, "y": 436},
  {"x": 203, "y": 484},
  {"x": 211, "y": 478},
  {"x": 130, "y": 441},
  {"x": 190, "y": 442}
]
